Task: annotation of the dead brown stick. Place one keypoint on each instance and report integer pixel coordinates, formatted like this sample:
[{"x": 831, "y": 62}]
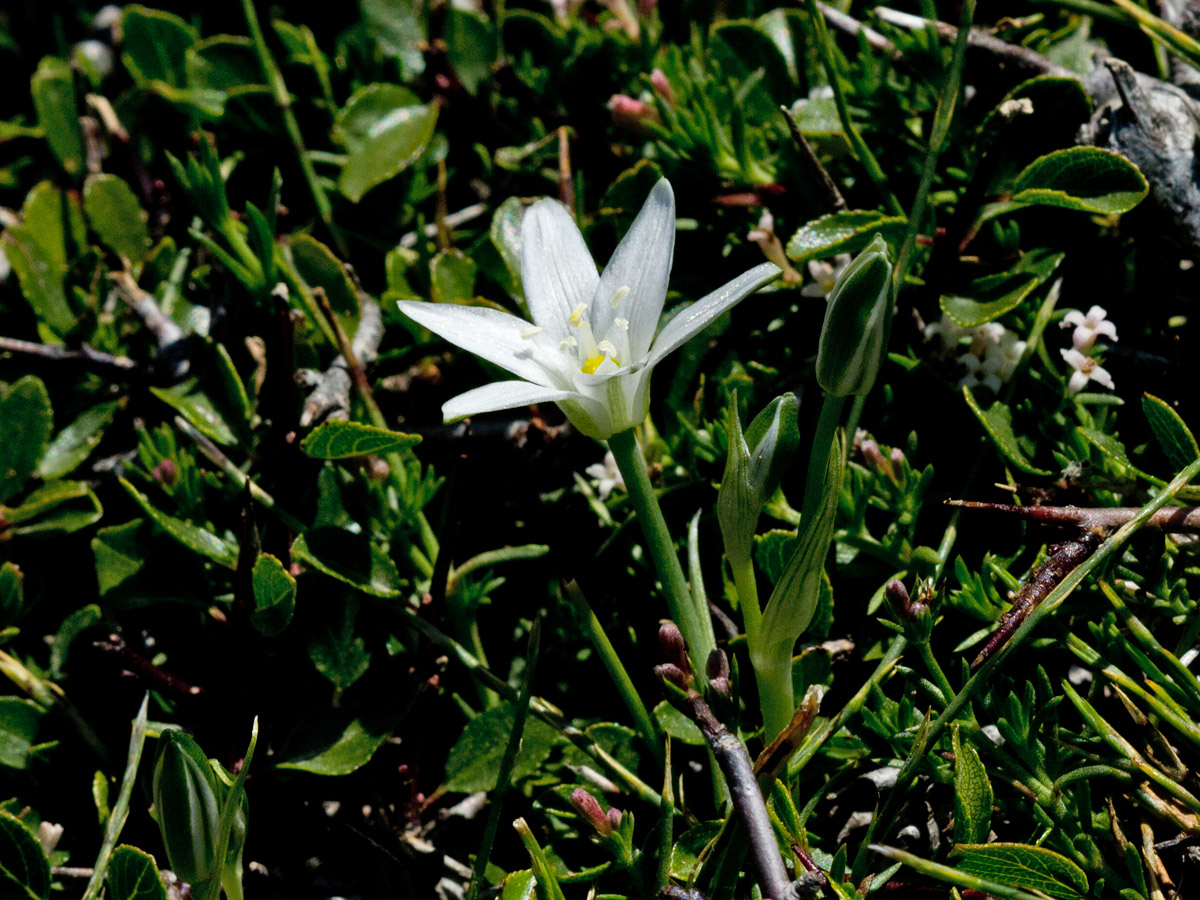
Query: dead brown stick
[
  {"x": 1173, "y": 520},
  {"x": 85, "y": 355}
]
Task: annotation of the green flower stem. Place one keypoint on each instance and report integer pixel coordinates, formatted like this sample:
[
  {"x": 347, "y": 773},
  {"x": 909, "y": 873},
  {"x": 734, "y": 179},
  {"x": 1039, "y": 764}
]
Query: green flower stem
[
  {"x": 1111, "y": 548},
  {"x": 826, "y": 434},
  {"x": 696, "y": 627},
  {"x": 283, "y": 101},
  {"x": 616, "y": 671},
  {"x": 861, "y": 151}
]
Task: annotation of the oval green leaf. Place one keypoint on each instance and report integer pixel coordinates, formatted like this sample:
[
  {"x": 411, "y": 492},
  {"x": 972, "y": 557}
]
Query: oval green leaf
[
  {"x": 346, "y": 440},
  {"x": 274, "y": 595},
  {"x": 1024, "y": 866},
  {"x": 844, "y": 232},
  {"x": 997, "y": 422},
  {"x": 1086, "y": 179},
  {"x": 384, "y": 129},
  {"x": 24, "y": 868},
  {"x": 133, "y": 875},
  {"x": 1172, "y": 434}
]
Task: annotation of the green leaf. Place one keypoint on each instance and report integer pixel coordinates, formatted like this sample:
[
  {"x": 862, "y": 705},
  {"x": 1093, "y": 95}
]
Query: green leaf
[
  {"x": 452, "y": 277},
  {"x": 274, "y": 595},
  {"x": 384, "y": 129},
  {"x": 117, "y": 217},
  {"x": 339, "y": 741},
  {"x": 74, "y": 625},
  {"x": 474, "y": 760},
  {"x": 398, "y": 33},
  {"x": 196, "y": 405},
  {"x": 24, "y": 868},
  {"x": 53, "y": 87},
  {"x": 1085, "y": 179},
  {"x": 997, "y": 422},
  {"x": 154, "y": 45},
  {"x": 120, "y": 553},
  {"x": 519, "y": 885},
  {"x": 320, "y": 268},
  {"x": 133, "y": 875},
  {"x": 742, "y": 51},
  {"x": 36, "y": 248},
  {"x": 677, "y": 725},
  {"x": 987, "y": 299},
  {"x": 12, "y": 593},
  {"x": 686, "y": 855},
  {"x": 346, "y": 440},
  {"x": 350, "y": 558},
  {"x": 197, "y": 539},
  {"x": 19, "y": 720},
  {"x": 844, "y": 232},
  {"x": 74, "y": 444},
  {"x": 1024, "y": 866},
  {"x": 26, "y": 421},
  {"x": 505, "y": 233},
  {"x": 470, "y": 47},
  {"x": 336, "y": 651},
  {"x": 1172, "y": 434},
  {"x": 972, "y": 795},
  {"x": 60, "y": 507}
]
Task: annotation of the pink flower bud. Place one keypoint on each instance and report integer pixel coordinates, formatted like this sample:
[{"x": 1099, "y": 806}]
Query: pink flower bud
[
  {"x": 589, "y": 808},
  {"x": 631, "y": 114},
  {"x": 166, "y": 472},
  {"x": 672, "y": 646},
  {"x": 662, "y": 87},
  {"x": 614, "y": 817}
]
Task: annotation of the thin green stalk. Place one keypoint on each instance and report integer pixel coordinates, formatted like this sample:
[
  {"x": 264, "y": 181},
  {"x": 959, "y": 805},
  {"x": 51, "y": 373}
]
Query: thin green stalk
[
  {"x": 985, "y": 673},
  {"x": 543, "y": 871},
  {"x": 935, "y": 670},
  {"x": 504, "y": 781},
  {"x": 861, "y": 151},
  {"x": 120, "y": 810},
  {"x": 283, "y": 100},
  {"x": 941, "y": 128},
  {"x": 696, "y": 627},
  {"x": 826, "y": 434},
  {"x": 616, "y": 671}
]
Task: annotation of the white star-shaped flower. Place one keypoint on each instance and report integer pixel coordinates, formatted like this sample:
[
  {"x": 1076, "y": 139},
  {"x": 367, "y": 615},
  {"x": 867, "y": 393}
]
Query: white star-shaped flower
[
  {"x": 824, "y": 275},
  {"x": 591, "y": 345},
  {"x": 1086, "y": 369},
  {"x": 1089, "y": 327},
  {"x": 606, "y": 475}
]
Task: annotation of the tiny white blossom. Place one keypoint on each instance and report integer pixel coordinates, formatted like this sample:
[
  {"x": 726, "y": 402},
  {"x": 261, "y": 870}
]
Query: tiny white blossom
[
  {"x": 1089, "y": 327},
  {"x": 606, "y": 475},
  {"x": 824, "y": 275},
  {"x": 1086, "y": 369},
  {"x": 766, "y": 238},
  {"x": 990, "y": 359},
  {"x": 596, "y": 345},
  {"x": 48, "y": 835}
]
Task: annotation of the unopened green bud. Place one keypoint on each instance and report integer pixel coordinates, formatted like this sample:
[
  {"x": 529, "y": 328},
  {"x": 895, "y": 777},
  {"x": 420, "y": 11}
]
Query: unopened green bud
[
  {"x": 754, "y": 467},
  {"x": 187, "y": 806},
  {"x": 852, "y": 337}
]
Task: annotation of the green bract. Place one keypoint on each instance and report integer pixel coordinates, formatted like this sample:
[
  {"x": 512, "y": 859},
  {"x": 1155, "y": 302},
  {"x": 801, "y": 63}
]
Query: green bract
[
  {"x": 852, "y": 338},
  {"x": 754, "y": 467}
]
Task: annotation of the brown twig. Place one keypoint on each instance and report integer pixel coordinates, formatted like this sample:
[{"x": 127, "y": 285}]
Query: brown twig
[
  {"x": 158, "y": 679},
  {"x": 734, "y": 760},
  {"x": 1172, "y": 520},
  {"x": 829, "y": 199},
  {"x": 1063, "y": 559},
  {"x": 566, "y": 184},
  {"x": 330, "y": 396},
  {"x": 172, "y": 347},
  {"x": 85, "y": 355}
]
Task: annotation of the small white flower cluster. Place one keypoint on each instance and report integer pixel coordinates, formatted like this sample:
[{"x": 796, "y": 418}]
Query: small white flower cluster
[
  {"x": 1078, "y": 357},
  {"x": 991, "y": 357},
  {"x": 824, "y": 275},
  {"x": 605, "y": 476}
]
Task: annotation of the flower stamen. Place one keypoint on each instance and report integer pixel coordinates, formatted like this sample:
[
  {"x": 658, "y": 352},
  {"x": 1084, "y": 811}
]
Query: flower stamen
[{"x": 621, "y": 293}]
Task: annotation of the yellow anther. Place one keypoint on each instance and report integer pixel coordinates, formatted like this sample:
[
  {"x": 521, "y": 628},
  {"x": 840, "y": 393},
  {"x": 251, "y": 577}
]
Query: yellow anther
[
  {"x": 621, "y": 294},
  {"x": 577, "y": 314},
  {"x": 592, "y": 363}
]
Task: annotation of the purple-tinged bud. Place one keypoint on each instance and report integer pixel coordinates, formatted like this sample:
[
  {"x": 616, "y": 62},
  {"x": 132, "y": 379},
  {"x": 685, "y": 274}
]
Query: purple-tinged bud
[
  {"x": 896, "y": 456},
  {"x": 633, "y": 115},
  {"x": 673, "y": 674},
  {"x": 662, "y": 87},
  {"x": 914, "y": 617},
  {"x": 898, "y": 600},
  {"x": 614, "y": 817},
  {"x": 717, "y": 665},
  {"x": 672, "y": 647},
  {"x": 166, "y": 472},
  {"x": 873, "y": 455},
  {"x": 589, "y": 808}
]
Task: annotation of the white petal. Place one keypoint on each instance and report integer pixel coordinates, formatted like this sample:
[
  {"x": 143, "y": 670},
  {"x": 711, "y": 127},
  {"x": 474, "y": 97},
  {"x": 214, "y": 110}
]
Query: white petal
[
  {"x": 641, "y": 262},
  {"x": 1077, "y": 383},
  {"x": 491, "y": 334},
  {"x": 557, "y": 271},
  {"x": 500, "y": 395},
  {"x": 1107, "y": 328},
  {"x": 697, "y": 317},
  {"x": 1073, "y": 317},
  {"x": 1074, "y": 358},
  {"x": 1101, "y": 376}
]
